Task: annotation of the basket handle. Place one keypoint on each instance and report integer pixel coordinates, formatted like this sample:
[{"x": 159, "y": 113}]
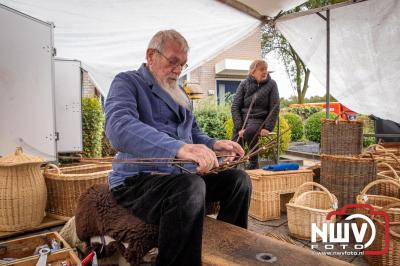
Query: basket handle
[
  {"x": 391, "y": 169},
  {"x": 339, "y": 116},
  {"x": 50, "y": 165},
  {"x": 391, "y": 155},
  {"x": 376, "y": 182},
  {"x": 376, "y": 147},
  {"x": 324, "y": 189}
]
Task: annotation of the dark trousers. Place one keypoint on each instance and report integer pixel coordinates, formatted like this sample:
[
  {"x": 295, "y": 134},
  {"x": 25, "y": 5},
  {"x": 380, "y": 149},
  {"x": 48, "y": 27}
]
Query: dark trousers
[
  {"x": 177, "y": 204},
  {"x": 248, "y": 136}
]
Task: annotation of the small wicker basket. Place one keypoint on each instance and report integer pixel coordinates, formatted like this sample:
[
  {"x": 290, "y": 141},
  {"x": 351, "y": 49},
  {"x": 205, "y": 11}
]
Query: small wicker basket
[
  {"x": 391, "y": 174},
  {"x": 307, "y": 207},
  {"x": 346, "y": 176},
  {"x": 66, "y": 185},
  {"x": 380, "y": 202},
  {"x": 341, "y": 137}
]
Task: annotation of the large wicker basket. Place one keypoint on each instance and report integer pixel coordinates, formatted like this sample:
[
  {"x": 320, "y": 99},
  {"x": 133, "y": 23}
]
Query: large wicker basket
[
  {"x": 380, "y": 202},
  {"x": 22, "y": 191},
  {"x": 66, "y": 185},
  {"x": 346, "y": 176},
  {"x": 392, "y": 258},
  {"x": 391, "y": 174},
  {"x": 307, "y": 207},
  {"x": 341, "y": 137},
  {"x": 269, "y": 186}
]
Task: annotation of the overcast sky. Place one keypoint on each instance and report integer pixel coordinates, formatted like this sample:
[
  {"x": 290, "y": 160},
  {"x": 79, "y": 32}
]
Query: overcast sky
[{"x": 281, "y": 78}]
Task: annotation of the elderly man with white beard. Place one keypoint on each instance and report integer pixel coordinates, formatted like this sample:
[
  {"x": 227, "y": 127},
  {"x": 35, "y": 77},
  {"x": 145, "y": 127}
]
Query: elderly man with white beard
[{"x": 148, "y": 116}]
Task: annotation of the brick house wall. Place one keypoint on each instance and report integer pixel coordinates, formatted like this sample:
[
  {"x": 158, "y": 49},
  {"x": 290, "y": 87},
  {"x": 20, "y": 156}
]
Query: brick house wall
[
  {"x": 88, "y": 88},
  {"x": 247, "y": 49}
]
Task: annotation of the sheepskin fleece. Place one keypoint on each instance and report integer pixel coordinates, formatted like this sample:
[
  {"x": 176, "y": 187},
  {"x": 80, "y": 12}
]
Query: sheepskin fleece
[{"x": 99, "y": 214}]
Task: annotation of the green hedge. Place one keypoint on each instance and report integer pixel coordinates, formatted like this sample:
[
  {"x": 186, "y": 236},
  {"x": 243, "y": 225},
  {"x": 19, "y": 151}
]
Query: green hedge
[
  {"x": 92, "y": 127},
  {"x": 312, "y": 126},
  {"x": 212, "y": 118},
  {"x": 296, "y": 125},
  {"x": 284, "y": 139}
]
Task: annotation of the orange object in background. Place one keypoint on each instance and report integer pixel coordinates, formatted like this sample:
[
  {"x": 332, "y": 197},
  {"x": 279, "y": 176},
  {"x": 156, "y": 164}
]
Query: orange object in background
[{"x": 334, "y": 107}]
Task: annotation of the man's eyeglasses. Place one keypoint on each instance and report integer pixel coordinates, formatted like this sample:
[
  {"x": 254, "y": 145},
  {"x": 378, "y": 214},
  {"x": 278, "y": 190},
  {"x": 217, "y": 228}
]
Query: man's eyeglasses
[{"x": 172, "y": 62}]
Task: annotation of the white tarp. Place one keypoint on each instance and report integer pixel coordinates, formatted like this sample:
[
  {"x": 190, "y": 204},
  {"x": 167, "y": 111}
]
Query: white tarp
[
  {"x": 271, "y": 8},
  {"x": 364, "y": 61},
  {"x": 112, "y": 36}
]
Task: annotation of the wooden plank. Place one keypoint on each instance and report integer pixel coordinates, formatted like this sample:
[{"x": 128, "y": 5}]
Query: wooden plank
[
  {"x": 228, "y": 245},
  {"x": 46, "y": 223},
  {"x": 67, "y": 256}
]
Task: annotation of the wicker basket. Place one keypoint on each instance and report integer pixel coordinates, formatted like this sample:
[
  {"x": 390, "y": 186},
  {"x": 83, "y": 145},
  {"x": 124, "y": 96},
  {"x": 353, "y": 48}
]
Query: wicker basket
[
  {"x": 341, "y": 137},
  {"x": 392, "y": 258},
  {"x": 22, "y": 192},
  {"x": 382, "y": 154},
  {"x": 66, "y": 185},
  {"x": 346, "y": 176},
  {"x": 380, "y": 202},
  {"x": 307, "y": 207},
  {"x": 268, "y": 187},
  {"x": 391, "y": 174}
]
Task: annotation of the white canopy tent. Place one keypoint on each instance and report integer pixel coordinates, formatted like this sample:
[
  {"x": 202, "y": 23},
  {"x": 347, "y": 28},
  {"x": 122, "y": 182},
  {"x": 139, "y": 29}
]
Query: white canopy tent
[
  {"x": 111, "y": 36},
  {"x": 364, "y": 57}
]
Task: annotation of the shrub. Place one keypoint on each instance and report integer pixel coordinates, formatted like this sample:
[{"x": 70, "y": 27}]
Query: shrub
[
  {"x": 212, "y": 118},
  {"x": 312, "y": 126},
  {"x": 306, "y": 111},
  {"x": 92, "y": 127},
  {"x": 106, "y": 147},
  {"x": 284, "y": 138},
  {"x": 369, "y": 128},
  {"x": 229, "y": 128},
  {"x": 296, "y": 126}
]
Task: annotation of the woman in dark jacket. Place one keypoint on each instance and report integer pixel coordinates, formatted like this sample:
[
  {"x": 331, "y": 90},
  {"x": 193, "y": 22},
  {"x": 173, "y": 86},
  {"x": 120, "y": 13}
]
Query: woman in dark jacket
[{"x": 255, "y": 98}]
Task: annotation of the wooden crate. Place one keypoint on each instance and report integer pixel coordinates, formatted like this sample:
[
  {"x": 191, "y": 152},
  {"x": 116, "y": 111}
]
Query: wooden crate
[
  {"x": 271, "y": 189},
  {"x": 54, "y": 259},
  {"x": 24, "y": 248}
]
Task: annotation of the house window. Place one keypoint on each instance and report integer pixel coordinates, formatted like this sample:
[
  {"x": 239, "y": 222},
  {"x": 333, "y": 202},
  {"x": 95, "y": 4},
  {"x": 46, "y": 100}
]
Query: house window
[{"x": 226, "y": 89}]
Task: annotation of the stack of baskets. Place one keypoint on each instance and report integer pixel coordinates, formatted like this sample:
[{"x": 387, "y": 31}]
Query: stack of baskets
[
  {"x": 66, "y": 185},
  {"x": 390, "y": 156},
  {"x": 343, "y": 170},
  {"x": 391, "y": 205},
  {"x": 309, "y": 206}
]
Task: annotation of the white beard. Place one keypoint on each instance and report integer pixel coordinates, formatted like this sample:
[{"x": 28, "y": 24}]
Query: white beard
[{"x": 176, "y": 93}]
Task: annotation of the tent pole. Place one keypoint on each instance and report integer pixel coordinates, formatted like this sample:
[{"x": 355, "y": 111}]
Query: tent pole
[{"x": 328, "y": 20}]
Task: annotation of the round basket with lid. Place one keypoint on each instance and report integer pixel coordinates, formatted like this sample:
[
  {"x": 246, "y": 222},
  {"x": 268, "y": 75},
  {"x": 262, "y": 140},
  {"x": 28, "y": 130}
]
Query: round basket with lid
[{"x": 23, "y": 191}]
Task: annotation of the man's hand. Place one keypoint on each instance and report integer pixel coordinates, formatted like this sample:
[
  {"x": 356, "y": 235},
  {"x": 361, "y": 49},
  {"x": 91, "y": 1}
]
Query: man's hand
[
  {"x": 264, "y": 132},
  {"x": 228, "y": 148},
  {"x": 201, "y": 154}
]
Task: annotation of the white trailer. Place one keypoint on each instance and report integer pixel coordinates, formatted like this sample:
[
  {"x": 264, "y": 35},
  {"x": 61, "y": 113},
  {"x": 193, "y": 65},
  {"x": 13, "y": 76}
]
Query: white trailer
[
  {"x": 68, "y": 94},
  {"x": 27, "y": 110}
]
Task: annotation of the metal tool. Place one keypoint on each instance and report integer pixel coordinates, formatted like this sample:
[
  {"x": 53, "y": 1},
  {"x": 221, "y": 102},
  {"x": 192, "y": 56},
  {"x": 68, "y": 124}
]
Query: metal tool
[{"x": 43, "y": 252}]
